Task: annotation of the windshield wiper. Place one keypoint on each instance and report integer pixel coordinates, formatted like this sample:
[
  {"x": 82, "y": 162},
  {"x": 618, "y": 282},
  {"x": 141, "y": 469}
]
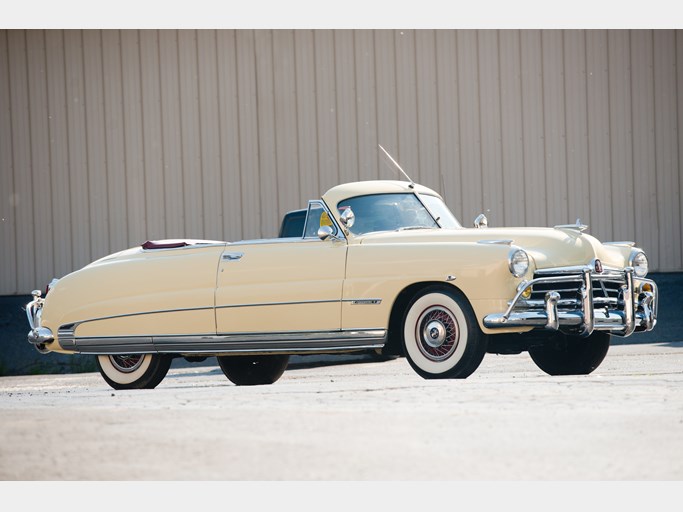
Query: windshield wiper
[{"x": 414, "y": 227}]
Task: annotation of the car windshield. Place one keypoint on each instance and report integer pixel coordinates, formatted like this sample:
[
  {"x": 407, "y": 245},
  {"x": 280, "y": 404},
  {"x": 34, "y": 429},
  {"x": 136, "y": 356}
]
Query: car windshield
[{"x": 391, "y": 212}]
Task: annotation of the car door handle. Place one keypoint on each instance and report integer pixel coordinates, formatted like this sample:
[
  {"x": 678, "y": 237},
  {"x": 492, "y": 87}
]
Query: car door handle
[{"x": 232, "y": 256}]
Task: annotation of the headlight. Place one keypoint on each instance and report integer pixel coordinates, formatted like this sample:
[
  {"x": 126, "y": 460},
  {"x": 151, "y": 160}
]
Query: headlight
[
  {"x": 638, "y": 261},
  {"x": 518, "y": 262}
]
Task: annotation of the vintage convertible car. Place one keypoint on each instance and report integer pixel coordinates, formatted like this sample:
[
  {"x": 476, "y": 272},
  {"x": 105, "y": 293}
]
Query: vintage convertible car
[{"x": 378, "y": 265}]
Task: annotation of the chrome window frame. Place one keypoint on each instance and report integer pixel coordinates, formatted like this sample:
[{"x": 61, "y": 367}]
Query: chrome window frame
[
  {"x": 338, "y": 232},
  {"x": 436, "y": 219}
]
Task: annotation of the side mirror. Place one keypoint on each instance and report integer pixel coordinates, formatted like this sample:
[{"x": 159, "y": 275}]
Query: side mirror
[
  {"x": 347, "y": 217},
  {"x": 481, "y": 221},
  {"x": 325, "y": 232}
]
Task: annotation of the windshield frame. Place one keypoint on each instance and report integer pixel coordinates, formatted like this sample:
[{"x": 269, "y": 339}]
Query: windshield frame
[
  {"x": 437, "y": 219},
  {"x": 430, "y": 213}
]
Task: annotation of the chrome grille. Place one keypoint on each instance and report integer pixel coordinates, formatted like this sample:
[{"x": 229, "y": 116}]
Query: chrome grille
[{"x": 606, "y": 290}]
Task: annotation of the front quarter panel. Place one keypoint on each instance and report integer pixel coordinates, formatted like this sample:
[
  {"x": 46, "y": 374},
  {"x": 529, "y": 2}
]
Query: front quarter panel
[{"x": 382, "y": 271}]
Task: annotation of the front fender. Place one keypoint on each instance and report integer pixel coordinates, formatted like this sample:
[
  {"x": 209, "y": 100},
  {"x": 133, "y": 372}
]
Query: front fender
[{"x": 382, "y": 271}]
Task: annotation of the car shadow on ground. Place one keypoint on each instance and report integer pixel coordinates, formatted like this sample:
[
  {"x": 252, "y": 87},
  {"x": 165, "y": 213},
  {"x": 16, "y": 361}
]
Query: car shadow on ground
[{"x": 210, "y": 364}]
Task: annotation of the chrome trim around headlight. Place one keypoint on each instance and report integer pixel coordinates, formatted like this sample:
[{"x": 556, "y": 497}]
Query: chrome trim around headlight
[
  {"x": 631, "y": 262},
  {"x": 511, "y": 264}
]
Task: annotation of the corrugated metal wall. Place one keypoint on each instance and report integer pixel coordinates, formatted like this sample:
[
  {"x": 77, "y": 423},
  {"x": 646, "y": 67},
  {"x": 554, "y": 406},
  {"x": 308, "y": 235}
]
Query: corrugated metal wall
[{"x": 109, "y": 138}]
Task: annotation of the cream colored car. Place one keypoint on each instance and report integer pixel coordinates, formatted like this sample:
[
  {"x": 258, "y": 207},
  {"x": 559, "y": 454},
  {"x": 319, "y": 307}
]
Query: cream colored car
[{"x": 381, "y": 265}]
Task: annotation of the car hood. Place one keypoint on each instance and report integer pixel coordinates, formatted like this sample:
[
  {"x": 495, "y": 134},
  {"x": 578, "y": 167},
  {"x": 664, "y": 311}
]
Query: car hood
[{"x": 548, "y": 247}]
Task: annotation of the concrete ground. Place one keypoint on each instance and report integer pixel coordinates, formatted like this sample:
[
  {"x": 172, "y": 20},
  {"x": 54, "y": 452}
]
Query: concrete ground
[{"x": 356, "y": 420}]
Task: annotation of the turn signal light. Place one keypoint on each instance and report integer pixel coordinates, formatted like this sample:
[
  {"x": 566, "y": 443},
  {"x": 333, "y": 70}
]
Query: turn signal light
[{"x": 646, "y": 287}]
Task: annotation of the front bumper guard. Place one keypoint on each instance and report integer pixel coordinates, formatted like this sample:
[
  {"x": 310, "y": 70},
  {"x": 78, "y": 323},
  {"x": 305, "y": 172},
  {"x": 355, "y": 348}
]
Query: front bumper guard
[
  {"x": 638, "y": 313},
  {"x": 38, "y": 335}
]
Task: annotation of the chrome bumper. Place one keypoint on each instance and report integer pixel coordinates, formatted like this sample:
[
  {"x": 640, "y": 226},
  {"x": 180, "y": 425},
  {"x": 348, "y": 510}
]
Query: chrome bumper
[
  {"x": 638, "y": 312},
  {"x": 38, "y": 335}
]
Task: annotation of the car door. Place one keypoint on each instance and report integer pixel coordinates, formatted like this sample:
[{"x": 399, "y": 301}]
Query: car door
[{"x": 282, "y": 285}]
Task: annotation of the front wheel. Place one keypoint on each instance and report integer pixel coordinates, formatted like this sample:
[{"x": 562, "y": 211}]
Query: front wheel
[
  {"x": 253, "y": 370},
  {"x": 571, "y": 355},
  {"x": 135, "y": 371},
  {"x": 441, "y": 337}
]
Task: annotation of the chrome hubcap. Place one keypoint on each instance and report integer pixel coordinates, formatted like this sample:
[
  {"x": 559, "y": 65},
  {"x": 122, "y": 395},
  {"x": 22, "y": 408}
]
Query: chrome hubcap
[
  {"x": 434, "y": 333},
  {"x": 127, "y": 363},
  {"x": 437, "y": 333}
]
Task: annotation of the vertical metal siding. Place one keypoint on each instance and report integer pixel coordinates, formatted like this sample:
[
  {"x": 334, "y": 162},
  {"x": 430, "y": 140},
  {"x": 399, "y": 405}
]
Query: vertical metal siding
[
  {"x": 387, "y": 116},
  {"x": 427, "y": 110},
  {"x": 599, "y": 168},
  {"x": 8, "y": 194},
  {"x": 493, "y": 198},
  {"x": 109, "y": 138},
  {"x": 534, "y": 199},
  {"x": 448, "y": 114},
  {"x": 576, "y": 119},
  {"x": 643, "y": 143},
  {"x": 666, "y": 146},
  {"x": 152, "y": 133},
  {"x": 366, "y": 103},
  {"x": 679, "y": 127},
  {"x": 307, "y": 177},
  {"x": 469, "y": 113},
  {"x": 512, "y": 147},
  {"x": 620, "y": 129},
  {"x": 554, "y": 128},
  {"x": 228, "y": 108},
  {"x": 326, "y": 109}
]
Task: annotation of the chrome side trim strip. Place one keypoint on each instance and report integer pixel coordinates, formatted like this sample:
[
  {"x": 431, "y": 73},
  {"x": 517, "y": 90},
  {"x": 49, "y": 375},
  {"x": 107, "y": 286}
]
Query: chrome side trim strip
[
  {"x": 115, "y": 345},
  {"x": 263, "y": 241},
  {"x": 309, "y": 341},
  {"x": 495, "y": 242},
  {"x": 290, "y": 303},
  {"x": 126, "y": 315},
  {"x": 373, "y": 301}
]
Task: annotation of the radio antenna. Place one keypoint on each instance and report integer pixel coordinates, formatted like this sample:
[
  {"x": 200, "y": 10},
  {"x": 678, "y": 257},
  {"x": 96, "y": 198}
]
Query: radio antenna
[{"x": 412, "y": 185}]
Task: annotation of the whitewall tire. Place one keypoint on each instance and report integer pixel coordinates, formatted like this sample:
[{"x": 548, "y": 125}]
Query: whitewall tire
[
  {"x": 135, "y": 371},
  {"x": 441, "y": 337}
]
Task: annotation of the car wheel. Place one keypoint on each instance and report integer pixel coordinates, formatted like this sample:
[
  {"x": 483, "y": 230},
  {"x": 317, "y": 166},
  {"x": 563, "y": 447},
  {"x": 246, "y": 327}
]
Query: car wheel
[
  {"x": 135, "y": 371},
  {"x": 253, "y": 370},
  {"x": 571, "y": 355},
  {"x": 441, "y": 337}
]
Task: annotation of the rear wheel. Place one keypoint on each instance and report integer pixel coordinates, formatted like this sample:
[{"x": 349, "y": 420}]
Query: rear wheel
[
  {"x": 441, "y": 337},
  {"x": 253, "y": 370},
  {"x": 134, "y": 371},
  {"x": 571, "y": 355}
]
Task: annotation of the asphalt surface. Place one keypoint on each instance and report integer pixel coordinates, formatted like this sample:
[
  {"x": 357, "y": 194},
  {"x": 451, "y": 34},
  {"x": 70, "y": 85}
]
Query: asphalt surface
[{"x": 356, "y": 420}]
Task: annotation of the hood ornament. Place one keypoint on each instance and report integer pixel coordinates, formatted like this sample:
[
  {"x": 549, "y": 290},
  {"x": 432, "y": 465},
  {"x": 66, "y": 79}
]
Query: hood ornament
[{"x": 574, "y": 227}]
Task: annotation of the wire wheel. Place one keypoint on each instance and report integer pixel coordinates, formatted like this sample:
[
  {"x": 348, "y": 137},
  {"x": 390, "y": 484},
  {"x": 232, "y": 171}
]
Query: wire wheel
[
  {"x": 437, "y": 332},
  {"x": 441, "y": 336},
  {"x": 127, "y": 363}
]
